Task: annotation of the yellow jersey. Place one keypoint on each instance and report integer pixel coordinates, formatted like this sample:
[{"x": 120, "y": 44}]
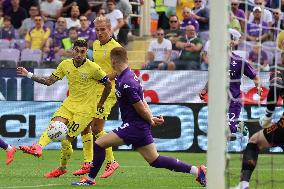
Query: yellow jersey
[
  {"x": 37, "y": 37},
  {"x": 82, "y": 82},
  {"x": 280, "y": 40},
  {"x": 102, "y": 58}
]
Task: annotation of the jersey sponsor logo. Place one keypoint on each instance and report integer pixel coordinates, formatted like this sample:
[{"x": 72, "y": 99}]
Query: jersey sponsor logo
[
  {"x": 118, "y": 93},
  {"x": 125, "y": 86}
]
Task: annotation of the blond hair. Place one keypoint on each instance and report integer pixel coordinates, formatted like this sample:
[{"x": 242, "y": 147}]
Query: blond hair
[{"x": 101, "y": 19}]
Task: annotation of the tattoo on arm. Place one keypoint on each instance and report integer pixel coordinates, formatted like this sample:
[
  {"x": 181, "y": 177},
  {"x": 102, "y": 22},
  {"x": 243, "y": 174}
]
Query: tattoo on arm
[{"x": 46, "y": 80}]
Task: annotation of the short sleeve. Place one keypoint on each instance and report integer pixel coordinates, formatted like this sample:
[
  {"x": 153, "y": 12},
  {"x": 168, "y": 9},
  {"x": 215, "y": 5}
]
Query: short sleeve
[
  {"x": 28, "y": 37},
  {"x": 118, "y": 14},
  {"x": 169, "y": 45},
  {"x": 59, "y": 73},
  {"x": 131, "y": 93},
  {"x": 249, "y": 71},
  {"x": 46, "y": 33},
  {"x": 98, "y": 73}
]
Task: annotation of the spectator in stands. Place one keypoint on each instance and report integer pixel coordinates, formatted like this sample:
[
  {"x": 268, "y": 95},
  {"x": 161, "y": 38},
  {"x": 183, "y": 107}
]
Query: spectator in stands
[
  {"x": 54, "y": 42},
  {"x": 115, "y": 16},
  {"x": 189, "y": 20},
  {"x": 161, "y": 10},
  {"x": 29, "y": 23},
  {"x": 191, "y": 47},
  {"x": 234, "y": 23},
  {"x": 125, "y": 7},
  {"x": 257, "y": 30},
  {"x": 1, "y": 17},
  {"x": 67, "y": 43},
  {"x": 101, "y": 12},
  {"x": 239, "y": 13},
  {"x": 50, "y": 9},
  {"x": 87, "y": 33},
  {"x": 26, "y": 4},
  {"x": 37, "y": 37},
  {"x": 84, "y": 7},
  {"x": 8, "y": 31},
  {"x": 74, "y": 21},
  {"x": 266, "y": 15},
  {"x": 181, "y": 4},
  {"x": 277, "y": 23},
  {"x": 258, "y": 58},
  {"x": 159, "y": 53},
  {"x": 17, "y": 14},
  {"x": 174, "y": 34},
  {"x": 280, "y": 40},
  {"x": 201, "y": 15}
]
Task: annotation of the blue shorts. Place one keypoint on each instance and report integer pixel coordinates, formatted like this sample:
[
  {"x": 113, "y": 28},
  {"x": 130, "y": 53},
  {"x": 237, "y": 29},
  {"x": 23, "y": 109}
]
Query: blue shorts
[{"x": 138, "y": 134}]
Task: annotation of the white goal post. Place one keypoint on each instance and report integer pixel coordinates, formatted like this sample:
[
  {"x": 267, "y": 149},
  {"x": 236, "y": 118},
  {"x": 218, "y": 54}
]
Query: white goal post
[{"x": 217, "y": 106}]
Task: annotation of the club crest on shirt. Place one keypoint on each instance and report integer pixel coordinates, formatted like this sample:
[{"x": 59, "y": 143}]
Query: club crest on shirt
[
  {"x": 84, "y": 76},
  {"x": 105, "y": 53}
]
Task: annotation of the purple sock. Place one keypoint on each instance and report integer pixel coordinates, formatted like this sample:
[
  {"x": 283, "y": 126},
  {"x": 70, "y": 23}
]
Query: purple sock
[
  {"x": 3, "y": 144},
  {"x": 171, "y": 164},
  {"x": 98, "y": 160}
]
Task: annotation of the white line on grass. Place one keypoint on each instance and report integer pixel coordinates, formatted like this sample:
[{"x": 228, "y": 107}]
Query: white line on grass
[{"x": 34, "y": 186}]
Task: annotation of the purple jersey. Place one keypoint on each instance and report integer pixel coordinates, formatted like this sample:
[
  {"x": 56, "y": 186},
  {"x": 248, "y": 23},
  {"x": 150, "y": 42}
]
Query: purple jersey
[
  {"x": 89, "y": 34},
  {"x": 8, "y": 34},
  {"x": 128, "y": 92},
  {"x": 190, "y": 21},
  {"x": 240, "y": 14},
  {"x": 57, "y": 37},
  {"x": 255, "y": 30},
  {"x": 134, "y": 130},
  {"x": 255, "y": 56},
  {"x": 238, "y": 67}
]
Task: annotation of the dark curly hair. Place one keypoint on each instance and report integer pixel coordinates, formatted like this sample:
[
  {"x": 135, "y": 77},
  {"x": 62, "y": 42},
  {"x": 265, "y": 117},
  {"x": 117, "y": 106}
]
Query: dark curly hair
[{"x": 81, "y": 43}]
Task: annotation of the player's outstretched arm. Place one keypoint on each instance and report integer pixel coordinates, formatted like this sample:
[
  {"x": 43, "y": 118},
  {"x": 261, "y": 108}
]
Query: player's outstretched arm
[{"x": 46, "y": 80}]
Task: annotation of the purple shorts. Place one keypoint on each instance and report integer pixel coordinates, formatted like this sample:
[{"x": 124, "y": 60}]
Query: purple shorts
[{"x": 138, "y": 134}]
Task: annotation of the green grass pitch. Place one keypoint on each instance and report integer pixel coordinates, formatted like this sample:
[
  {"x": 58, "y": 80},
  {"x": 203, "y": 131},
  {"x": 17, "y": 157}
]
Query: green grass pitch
[{"x": 27, "y": 172}]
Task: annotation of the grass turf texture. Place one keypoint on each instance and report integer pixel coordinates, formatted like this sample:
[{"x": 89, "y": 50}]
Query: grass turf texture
[{"x": 27, "y": 172}]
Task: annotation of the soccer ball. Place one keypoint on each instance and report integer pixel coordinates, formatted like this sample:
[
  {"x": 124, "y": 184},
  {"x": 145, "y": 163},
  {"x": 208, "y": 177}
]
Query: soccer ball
[{"x": 57, "y": 131}]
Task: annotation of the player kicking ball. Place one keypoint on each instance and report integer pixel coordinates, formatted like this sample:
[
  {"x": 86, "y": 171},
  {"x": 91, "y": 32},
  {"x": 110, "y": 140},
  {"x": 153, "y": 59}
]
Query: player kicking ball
[
  {"x": 79, "y": 108},
  {"x": 136, "y": 127}
]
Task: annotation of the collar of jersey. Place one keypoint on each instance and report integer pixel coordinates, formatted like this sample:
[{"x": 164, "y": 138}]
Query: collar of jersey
[
  {"x": 80, "y": 65},
  {"x": 106, "y": 42}
]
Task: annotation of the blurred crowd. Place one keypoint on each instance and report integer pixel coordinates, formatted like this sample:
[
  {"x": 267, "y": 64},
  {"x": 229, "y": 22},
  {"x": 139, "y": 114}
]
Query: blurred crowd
[
  {"x": 40, "y": 33},
  {"x": 182, "y": 38}
]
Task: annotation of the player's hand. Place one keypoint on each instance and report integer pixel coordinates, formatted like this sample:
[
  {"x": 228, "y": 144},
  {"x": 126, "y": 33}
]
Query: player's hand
[
  {"x": 159, "y": 120},
  {"x": 259, "y": 90},
  {"x": 21, "y": 71},
  {"x": 202, "y": 94}
]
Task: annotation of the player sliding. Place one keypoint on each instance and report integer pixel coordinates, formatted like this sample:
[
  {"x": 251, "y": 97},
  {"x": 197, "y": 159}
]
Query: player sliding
[
  {"x": 79, "y": 108},
  {"x": 10, "y": 151},
  {"x": 263, "y": 139},
  {"x": 238, "y": 68},
  {"x": 136, "y": 127}
]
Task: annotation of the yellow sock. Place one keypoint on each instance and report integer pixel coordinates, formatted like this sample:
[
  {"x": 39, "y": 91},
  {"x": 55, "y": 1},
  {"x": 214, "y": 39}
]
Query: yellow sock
[
  {"x": 109, "y": 152},
  {"x": 88, "y": 147},
  {"x": 44, "y": 140},
  {"x": 66, "y": 151}
]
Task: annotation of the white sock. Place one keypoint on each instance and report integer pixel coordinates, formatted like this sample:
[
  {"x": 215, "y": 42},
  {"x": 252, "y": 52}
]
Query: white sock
[
  {"x": 9, "y": 148},
  {"x": 244, "y": 184},
  {"x": 194, "y": 171},
  {"x": 89, "y": 178}
]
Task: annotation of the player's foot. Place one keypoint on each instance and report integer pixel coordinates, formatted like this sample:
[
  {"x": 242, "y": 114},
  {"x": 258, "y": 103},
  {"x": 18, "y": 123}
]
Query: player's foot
[
  {"x": 85, "y": 168},
  {"x": 265, "y": 121},
  {"x": 10, "y": 155},
  {"x": 34, "y": 149},
  {"x": 110, "y": 168},
  {"x": 201, "y": 177},
  {"x": 56, "y": 173},
  {"x": 239, "y": 187},
  {"x": 84, "y": 182},
  {"x": 242, "y": 133}
]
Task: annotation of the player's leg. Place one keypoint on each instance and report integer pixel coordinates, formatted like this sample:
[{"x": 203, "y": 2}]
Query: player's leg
[
  {"x": 150, "y": 154},
  {"x": 10, "y": 151},
  {"x": 63, "y": 115},
  {"x": 100, "y": 145},
  {"x": 98, "y": 131},
  {"x": 256, "y": 143},
  {"x": 87, "y": 139}
]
